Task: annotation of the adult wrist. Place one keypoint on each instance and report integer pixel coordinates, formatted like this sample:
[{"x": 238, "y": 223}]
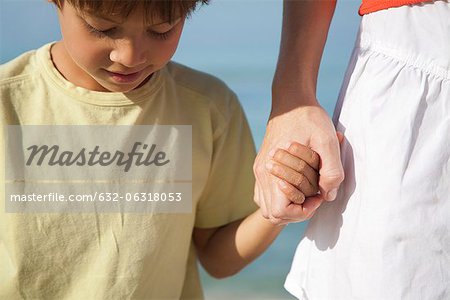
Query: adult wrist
[
  {"x": 293, "y": 93},
  {"x": 284, "y": 101}
]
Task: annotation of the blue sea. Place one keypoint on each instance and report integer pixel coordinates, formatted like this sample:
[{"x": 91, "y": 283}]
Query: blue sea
[{"x": 238, "y": 42}]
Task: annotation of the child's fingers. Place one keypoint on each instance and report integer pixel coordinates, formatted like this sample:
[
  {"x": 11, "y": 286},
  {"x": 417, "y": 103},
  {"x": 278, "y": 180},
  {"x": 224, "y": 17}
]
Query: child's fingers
[
  {"x": 293, "y": 177},
  {"x": 285, "y": 158},
  {"x": 305, "y": 153},
  {"x": 292, "y": 193}
]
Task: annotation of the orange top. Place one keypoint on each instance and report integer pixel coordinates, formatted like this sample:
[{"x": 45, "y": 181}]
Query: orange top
[{"x": 369, "y": 6}]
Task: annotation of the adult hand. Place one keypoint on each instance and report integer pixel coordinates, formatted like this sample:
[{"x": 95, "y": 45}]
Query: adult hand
[
  {"x": 311, "y": 126},
  {"x": 296, "y": 114}
]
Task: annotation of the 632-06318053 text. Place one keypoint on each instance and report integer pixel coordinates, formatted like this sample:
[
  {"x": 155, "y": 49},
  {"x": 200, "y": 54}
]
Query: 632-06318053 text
[{"x": 102, "y": 197}]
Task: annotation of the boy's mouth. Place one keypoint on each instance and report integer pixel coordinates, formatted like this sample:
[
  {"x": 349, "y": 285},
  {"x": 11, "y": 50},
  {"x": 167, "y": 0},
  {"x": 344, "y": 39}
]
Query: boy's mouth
[{"x": 124, "y": 78}]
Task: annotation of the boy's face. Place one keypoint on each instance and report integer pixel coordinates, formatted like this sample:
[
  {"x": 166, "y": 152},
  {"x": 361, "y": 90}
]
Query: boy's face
[{"x": 114, "y": 55}]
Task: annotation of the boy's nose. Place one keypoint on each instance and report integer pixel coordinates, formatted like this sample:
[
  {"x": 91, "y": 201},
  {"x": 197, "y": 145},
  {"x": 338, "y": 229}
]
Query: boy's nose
[{"x": 129, "y": 54}]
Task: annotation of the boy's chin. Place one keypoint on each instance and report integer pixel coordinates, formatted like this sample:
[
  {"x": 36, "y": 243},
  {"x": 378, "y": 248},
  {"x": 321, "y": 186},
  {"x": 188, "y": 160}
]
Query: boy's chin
[
  {"x": 120, "y": 89},
  {"x": 123, "y": 88}
]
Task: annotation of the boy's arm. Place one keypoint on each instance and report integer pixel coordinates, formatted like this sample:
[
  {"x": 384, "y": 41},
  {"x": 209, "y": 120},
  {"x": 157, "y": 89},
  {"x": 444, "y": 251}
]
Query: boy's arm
[{"x": 225, "y": 250}]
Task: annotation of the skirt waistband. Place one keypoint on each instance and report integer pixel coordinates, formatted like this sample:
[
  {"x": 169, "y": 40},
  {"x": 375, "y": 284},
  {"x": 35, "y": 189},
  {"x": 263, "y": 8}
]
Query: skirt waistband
[{"x": 418, "y": 34}]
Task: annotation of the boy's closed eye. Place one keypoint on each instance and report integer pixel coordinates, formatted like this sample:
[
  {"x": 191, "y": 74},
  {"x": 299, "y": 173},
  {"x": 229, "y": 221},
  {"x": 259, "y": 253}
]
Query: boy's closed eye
[
  {"x": 103, "y": 27},
  {"x": 297, "y": 168}
]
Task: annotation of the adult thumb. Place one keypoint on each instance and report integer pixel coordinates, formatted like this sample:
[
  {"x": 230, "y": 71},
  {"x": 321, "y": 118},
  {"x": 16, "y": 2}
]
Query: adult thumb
[
  {"x": 331, "y": 170},
  {"x": 340, "y": 137}
]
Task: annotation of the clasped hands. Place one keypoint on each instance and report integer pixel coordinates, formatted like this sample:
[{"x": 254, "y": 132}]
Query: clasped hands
[{"x": 293, "y": 180}]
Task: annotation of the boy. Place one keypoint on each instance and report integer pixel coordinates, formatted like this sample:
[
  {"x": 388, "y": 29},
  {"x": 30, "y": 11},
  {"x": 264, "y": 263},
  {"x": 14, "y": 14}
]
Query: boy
[{"x": 113, "y": 67}]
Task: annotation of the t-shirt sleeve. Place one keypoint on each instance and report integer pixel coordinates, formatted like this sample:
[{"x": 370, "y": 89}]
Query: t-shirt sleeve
[{"x": 228, "y": 194}]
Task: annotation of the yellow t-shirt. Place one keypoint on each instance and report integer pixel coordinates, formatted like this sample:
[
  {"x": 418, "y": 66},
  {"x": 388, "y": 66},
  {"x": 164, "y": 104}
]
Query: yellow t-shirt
[{"x": 123, "y": 255}]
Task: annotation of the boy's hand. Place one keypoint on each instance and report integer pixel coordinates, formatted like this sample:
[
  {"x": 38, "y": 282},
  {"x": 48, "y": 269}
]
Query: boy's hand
[{"x": 297, "y": 168}]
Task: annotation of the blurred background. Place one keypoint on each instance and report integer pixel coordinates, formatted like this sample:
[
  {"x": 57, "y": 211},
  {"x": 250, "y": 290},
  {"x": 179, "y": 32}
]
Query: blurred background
[{"x": 237, "y": 41}]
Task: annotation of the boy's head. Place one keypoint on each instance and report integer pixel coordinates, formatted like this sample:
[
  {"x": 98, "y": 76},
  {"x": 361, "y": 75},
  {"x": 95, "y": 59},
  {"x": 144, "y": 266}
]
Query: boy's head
[{"x": 115, "y": 45}]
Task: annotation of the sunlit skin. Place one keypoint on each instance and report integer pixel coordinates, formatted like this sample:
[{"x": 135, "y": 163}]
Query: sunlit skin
[{"x": 93, "y": 49}]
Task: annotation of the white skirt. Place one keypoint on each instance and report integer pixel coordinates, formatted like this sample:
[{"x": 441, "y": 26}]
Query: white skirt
[{"x": 387, "y": 235}]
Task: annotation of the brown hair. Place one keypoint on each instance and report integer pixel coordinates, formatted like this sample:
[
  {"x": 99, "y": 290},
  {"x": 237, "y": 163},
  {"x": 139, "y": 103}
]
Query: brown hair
[{"x": 166, "y": 9}]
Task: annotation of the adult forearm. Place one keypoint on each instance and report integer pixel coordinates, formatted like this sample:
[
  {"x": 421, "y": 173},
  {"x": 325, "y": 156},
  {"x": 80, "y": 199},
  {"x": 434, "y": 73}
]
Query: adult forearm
[
  {"x": 234, "y": 246},
  {"x": 305, "y": 30}
]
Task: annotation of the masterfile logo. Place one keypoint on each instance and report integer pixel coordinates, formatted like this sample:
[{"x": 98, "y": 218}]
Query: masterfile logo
[
  {"x": 145, "y": 168},
  {"x": 54, "y": 156}
]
